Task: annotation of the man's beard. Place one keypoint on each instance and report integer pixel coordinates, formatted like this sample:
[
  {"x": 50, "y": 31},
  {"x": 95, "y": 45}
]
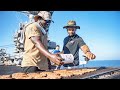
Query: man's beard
[{"x": 72, "y": 34}]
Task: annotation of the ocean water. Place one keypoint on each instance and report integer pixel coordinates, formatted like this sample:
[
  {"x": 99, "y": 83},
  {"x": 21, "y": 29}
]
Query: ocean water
[{"x": 102, "y": 63}]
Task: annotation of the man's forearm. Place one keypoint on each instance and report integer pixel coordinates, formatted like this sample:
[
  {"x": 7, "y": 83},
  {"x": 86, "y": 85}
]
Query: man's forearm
[
  {"x": 85, "y": 49},
  {"x": 42, "y": 49},
  {"x": 87, "y": 52},
  {"x": 40, "y": 46}
]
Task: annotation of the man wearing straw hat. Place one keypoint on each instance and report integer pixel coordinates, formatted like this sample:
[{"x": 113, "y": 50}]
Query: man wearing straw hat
[
  {"x": 72, "y": 44},
  {"x": 36, "y": 53}
]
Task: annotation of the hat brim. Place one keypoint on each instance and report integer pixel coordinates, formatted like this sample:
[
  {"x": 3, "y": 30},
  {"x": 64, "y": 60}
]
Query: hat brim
[
  {"x": 77, "y": 27},
  {"x": 37, "y": 16}
]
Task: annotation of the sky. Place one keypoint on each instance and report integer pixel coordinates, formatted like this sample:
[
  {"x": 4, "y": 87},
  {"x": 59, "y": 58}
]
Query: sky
[{"x": 99, "y": 29}]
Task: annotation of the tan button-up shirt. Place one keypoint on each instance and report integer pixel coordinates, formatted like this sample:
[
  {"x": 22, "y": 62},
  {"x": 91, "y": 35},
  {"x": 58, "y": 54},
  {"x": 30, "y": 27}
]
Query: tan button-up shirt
[{"x": 32, "y": 56}]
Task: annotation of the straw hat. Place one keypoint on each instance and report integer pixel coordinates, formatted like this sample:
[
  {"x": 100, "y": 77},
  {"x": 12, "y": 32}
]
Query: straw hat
[{"x": 72, "y": 23}]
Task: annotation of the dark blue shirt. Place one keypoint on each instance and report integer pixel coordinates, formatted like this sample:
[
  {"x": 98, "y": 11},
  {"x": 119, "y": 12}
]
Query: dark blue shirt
[
  {"x": 72, "y": 45},
  {"x": 56, "y": 51}
]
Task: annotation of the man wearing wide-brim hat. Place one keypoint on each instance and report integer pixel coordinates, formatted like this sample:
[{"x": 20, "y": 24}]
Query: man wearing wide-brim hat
[
  {"x": 35, "y": 46},
  {"x": 73, "y": 42}
]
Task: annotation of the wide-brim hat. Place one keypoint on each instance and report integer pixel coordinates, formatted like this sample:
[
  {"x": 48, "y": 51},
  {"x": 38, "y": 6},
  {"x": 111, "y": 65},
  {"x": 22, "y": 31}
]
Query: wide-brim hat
[
  {"x": 44, "y": 14},
  {"x": 72, "y": 24}
]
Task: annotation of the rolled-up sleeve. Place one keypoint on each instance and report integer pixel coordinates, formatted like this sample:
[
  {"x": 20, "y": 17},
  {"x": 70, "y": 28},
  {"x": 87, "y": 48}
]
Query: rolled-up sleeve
[{"x": 33, "y": 31}]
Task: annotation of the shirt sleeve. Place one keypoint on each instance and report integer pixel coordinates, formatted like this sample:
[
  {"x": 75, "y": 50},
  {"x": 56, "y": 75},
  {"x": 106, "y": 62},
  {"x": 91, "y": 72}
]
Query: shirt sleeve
[
  {"x": 33, "y": 31},
  {"x": 81, "y": 42}
]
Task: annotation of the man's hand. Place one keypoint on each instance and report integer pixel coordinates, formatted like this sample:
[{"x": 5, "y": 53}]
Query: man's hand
[
  {"x": 87, "y": 52},
  {"x": 56, "y": 59},
  {"x": 53, "y": 57},
  {"x": 90, "y": 55}
]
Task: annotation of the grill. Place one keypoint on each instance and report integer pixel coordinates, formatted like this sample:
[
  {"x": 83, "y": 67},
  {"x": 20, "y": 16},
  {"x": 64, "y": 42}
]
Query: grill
[{"x": 14, "y": 72}]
